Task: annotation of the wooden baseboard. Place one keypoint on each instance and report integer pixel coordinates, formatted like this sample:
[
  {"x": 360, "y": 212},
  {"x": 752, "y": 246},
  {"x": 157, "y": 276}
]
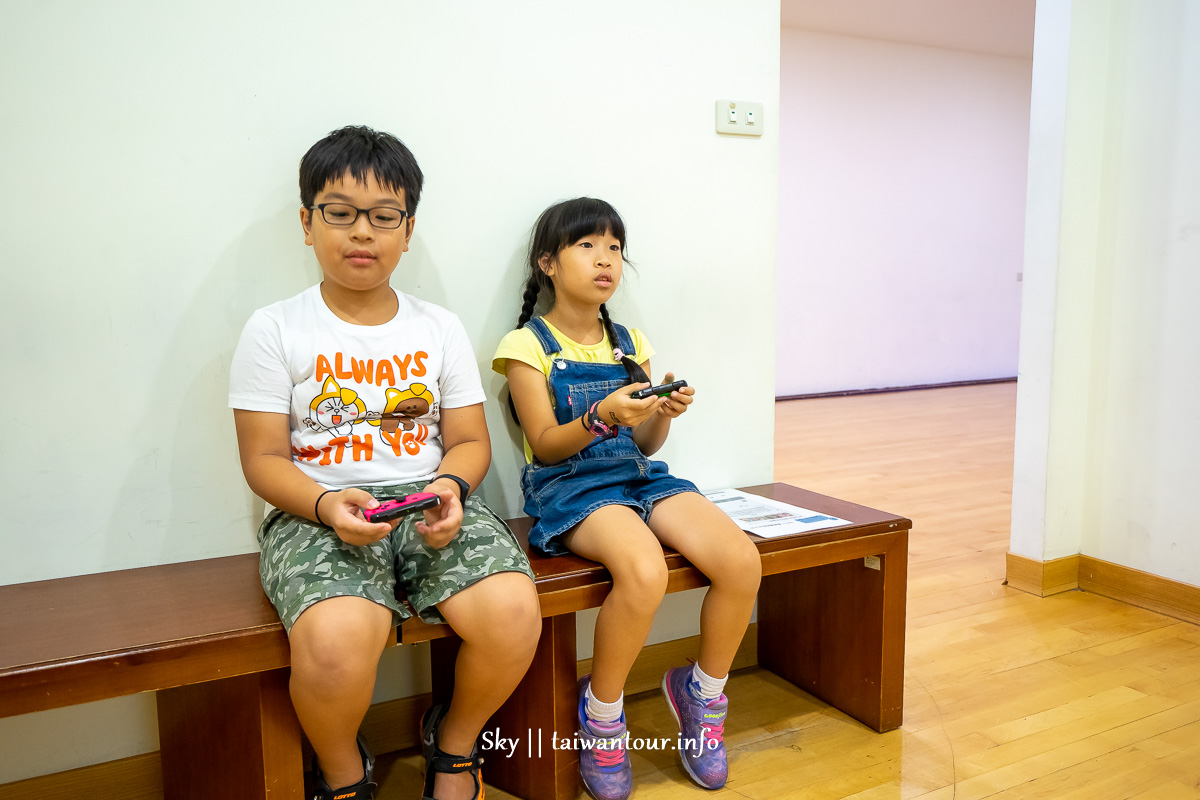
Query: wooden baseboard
[
  {"x": 1153, "y": 592},
  {"x": 889, "y": 389},
  {"x": 1042, "y": 578},
  {"x": 133, "y": 778},
  {"x": 1142, "y": 589},
  {"x": 388, "y": 726}
]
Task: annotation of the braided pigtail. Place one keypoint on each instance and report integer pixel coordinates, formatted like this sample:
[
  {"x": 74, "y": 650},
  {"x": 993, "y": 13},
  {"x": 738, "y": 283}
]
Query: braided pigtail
[
  {"x": 632, "y": 368},
  {"x": 533, "y": 290}
]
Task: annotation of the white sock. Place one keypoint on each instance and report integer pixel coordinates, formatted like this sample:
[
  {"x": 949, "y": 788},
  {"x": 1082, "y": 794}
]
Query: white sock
[
  {"x": 710, "y": 688},
  {"x": 603, "y": 712}
]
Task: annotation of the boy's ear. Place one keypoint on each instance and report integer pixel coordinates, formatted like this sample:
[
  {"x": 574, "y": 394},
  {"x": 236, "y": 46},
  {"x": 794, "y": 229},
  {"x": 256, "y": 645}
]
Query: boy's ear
[
  {"x": 306, "y": 224},
  {"x": 409, "y": 224}
]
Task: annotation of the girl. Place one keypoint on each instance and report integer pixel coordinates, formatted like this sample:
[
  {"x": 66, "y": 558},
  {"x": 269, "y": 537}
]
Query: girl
[{"x": 594, "y": 492}]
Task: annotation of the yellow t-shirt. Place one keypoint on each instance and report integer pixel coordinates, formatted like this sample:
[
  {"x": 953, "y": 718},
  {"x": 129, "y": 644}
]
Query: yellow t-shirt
[{"x": 522, "y": 345}]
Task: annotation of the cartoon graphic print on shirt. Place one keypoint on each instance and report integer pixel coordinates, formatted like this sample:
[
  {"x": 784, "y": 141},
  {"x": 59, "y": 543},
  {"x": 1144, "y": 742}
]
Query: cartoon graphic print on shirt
[
  {"x": 402, "y": 407},
  {"x": 335, "y": 410},
  {"x": 404, "y": 424}
]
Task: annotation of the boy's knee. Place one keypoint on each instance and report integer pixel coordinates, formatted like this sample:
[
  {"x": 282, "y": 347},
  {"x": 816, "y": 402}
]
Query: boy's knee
[
  {"x": 331, "y": 668},
  {"x": 336, "y": 641},
  {"x": 526, "y": 623},
  {"x": 516, "y": 608},
  {"x": 504, "y": 605}
]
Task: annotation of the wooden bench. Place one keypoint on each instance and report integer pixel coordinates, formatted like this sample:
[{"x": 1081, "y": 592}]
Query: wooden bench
[{"x": 204, "y": 637}]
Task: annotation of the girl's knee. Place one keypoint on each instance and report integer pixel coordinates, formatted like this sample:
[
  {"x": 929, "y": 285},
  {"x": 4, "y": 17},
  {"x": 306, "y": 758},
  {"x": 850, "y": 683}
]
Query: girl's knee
[
  {"x": 741, "y": 566},
  {"x": 644, "y": 579}
]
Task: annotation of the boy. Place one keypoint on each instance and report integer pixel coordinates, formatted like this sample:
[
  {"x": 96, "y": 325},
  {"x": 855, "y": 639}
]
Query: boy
[{"x": 316, "y": 385}]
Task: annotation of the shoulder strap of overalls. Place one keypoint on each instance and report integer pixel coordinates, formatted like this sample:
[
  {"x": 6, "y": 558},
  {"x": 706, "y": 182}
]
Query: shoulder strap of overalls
[
  {"x": 543, "y": 334},
  {"x": 625, "y": 340},
  {"x": 551, "y": 346}
]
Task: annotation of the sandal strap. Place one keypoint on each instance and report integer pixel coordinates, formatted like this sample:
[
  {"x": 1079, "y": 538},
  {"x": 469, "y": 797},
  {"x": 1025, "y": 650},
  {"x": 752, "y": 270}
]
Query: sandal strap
[
  {"x": 363, "y": 790},
  {"x": 445, "y": 762},
  {"x": 441, "y": 761}
]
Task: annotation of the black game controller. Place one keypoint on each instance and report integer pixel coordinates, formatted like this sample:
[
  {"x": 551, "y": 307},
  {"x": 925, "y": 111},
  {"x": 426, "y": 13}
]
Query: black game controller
[{"x": 659, "y": 391}]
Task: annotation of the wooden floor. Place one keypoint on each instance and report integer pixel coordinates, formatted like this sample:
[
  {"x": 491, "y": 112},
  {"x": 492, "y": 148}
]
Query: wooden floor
[{"x": 1006, "y": 695}]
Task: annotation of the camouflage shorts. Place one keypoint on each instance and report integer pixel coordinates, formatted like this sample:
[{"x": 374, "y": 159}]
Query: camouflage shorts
[{"x": 303, "y": 562}]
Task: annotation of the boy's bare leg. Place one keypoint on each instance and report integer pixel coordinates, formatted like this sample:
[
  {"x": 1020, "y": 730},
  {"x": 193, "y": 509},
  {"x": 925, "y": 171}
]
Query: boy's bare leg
[
  {"x": 716, "y": 546},
  {"x": 617, "y": 538},
  {"x": 499, "y": 621},
  {"x": 336, "y": 646}
]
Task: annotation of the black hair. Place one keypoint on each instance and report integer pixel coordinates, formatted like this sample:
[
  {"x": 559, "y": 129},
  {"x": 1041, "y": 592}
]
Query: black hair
[
  {"x": 361, "y": 151},
  {"x": 559, "y": 226}
]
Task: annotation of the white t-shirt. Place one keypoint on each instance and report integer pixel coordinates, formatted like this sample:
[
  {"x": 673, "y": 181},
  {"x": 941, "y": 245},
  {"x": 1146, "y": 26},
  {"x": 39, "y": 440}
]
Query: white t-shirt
[{"x": 344, "y": 385}]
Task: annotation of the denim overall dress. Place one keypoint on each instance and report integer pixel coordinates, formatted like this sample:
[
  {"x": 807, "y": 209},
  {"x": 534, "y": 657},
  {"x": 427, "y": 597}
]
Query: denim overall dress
[{"x": 609, "y": 471}]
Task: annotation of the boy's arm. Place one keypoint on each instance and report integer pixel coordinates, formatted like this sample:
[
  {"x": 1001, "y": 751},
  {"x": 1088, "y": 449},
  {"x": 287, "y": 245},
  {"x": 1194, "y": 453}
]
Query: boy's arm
[
  {"x": 468, "y": 455},
  {"x": 264, "y": 444}
]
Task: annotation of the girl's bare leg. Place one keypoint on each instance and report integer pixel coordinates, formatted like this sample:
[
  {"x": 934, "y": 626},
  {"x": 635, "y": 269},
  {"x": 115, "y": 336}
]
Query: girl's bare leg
[
  {"x": 709, "y": 539},
  {"x": 617, "y": 538}
]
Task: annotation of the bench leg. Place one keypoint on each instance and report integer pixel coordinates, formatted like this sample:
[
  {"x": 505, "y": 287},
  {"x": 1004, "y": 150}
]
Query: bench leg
[
  {"x": 542, "y": 706},
  {"x": 837, "y": 632},
  {"x": 443, "y": 653},
  {"x": 237, "y": 737}
]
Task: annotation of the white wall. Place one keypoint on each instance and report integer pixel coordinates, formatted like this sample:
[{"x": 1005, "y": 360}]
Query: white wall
[
  {"x": 1107, "y": 422},
  {"x": 901, "y": 207},
  {"x": 150, "y": 204}
]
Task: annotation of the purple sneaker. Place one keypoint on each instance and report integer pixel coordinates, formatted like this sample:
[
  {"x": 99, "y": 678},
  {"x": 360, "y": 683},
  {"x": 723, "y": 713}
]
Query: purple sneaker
[
  {"x": 603, "y": 759},
  {"x": 701, "y": 728}
]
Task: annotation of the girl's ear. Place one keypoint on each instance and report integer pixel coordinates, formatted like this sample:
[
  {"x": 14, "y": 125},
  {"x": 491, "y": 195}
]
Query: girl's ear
[{"x": 546, "y": 263}]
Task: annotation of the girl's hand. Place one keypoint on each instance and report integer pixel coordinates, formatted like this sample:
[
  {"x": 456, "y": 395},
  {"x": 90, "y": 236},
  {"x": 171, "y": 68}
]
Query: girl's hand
[
  {"x": 621, "y": 409},
  {"x": 678, "y": 401},
  {"x": 442, "y": 522},
  {"x": 342, "y": 511}
]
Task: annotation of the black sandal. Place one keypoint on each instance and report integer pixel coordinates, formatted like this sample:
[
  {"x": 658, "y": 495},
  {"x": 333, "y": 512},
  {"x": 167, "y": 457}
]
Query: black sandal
[
  {"x": 438, "y": 760},
  {"x": 363, "y": 790}
]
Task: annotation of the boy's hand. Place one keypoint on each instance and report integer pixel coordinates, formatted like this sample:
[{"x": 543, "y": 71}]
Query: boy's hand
[
  {"x": 621, "y": 409},
  {"x": 678, "y": 401},
  {"x": 442, "y": 522},
  {"x": 342, "y": 512}
]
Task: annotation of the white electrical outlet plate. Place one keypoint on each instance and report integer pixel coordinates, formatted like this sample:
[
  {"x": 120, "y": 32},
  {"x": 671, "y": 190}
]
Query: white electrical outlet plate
[{"x": 739, "y": 117}]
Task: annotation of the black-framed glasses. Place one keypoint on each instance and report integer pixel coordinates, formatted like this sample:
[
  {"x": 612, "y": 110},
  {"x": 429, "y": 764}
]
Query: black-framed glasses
[{"x": 343, "y": 215}]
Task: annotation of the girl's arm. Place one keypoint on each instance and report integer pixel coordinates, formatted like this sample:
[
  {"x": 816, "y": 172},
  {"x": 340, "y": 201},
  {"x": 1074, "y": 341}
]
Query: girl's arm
[
  {"x": 548, "y": 440},
  {"x": 265, "y": 447},
  {"x": 468, "y": 456},
  {"x": 651, "y": 434}
]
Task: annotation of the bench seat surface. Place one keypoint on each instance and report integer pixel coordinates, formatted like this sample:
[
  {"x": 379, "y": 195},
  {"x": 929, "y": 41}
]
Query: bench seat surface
[{"x": 175, "y": 624}]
